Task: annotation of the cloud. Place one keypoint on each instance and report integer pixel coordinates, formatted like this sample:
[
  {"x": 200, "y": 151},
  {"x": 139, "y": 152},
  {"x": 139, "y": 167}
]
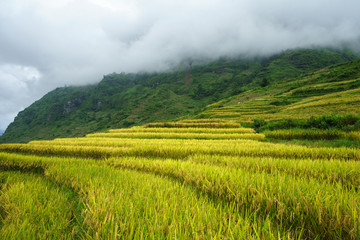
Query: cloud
[
  {"x": 69, "y": 42},
  {"x": 17, "y": 84}
]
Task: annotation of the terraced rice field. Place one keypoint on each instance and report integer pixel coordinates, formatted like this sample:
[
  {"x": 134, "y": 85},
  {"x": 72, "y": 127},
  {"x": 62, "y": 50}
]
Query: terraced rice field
[
  {"x": 324, "y": 92},
  {"x": 195, "y": 179}
]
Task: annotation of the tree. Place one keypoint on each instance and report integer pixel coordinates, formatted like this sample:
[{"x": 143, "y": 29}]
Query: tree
[{"x": 264, "y": 82}]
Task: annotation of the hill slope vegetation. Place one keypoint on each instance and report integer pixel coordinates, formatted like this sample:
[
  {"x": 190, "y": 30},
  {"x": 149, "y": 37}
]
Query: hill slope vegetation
[
  {"x": 331, "y": 90},
  {"x": 123, "y": 100}
]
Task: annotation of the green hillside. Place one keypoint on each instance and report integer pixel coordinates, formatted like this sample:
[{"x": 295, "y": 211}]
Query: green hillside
[
  {"x": 332, "y": 90},
  {"x": 123, "y": 100}
]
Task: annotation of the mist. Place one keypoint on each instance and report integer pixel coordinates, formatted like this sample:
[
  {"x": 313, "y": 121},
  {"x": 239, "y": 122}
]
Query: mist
[{"x": 46, "y": 44}]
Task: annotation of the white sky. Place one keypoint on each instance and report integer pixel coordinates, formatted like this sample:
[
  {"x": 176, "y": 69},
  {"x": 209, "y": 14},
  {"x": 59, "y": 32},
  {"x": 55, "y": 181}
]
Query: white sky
[{"x": 46, "y": 44}]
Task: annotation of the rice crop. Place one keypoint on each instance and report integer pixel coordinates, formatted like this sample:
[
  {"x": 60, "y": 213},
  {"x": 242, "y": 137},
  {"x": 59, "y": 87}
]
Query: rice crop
[
  {"x": 120, "y": 203},
  {"x": 183, "y": 130},
  {"x": 178, "y": 151},
  {"x": 324, "y": 211},
  {"x": 195, "y": 125},
  {"x": 312, "y": 134},
  {"x": 33, "y": 208},
  {"x": 170, "y": 135},
  {"x": 179, "y": 181}
]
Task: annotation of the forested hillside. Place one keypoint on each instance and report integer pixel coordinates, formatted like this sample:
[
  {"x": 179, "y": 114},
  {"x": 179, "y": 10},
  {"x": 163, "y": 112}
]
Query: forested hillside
[{"x": 123, "y": 100}]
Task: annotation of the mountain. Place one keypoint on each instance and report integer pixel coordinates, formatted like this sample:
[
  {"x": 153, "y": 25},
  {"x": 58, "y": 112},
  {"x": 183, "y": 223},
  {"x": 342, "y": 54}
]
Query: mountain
[
  {"x": 123, "y": 100},
  {"x": 1, "y": 132}
]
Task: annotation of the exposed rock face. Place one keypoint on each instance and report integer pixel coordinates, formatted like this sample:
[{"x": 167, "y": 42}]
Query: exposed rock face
[{"x": 73, "y": 105}]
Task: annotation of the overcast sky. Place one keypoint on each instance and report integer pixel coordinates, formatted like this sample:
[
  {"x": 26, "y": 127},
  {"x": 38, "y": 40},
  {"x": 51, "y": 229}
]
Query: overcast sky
[{"x": 46, "y": 44}]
